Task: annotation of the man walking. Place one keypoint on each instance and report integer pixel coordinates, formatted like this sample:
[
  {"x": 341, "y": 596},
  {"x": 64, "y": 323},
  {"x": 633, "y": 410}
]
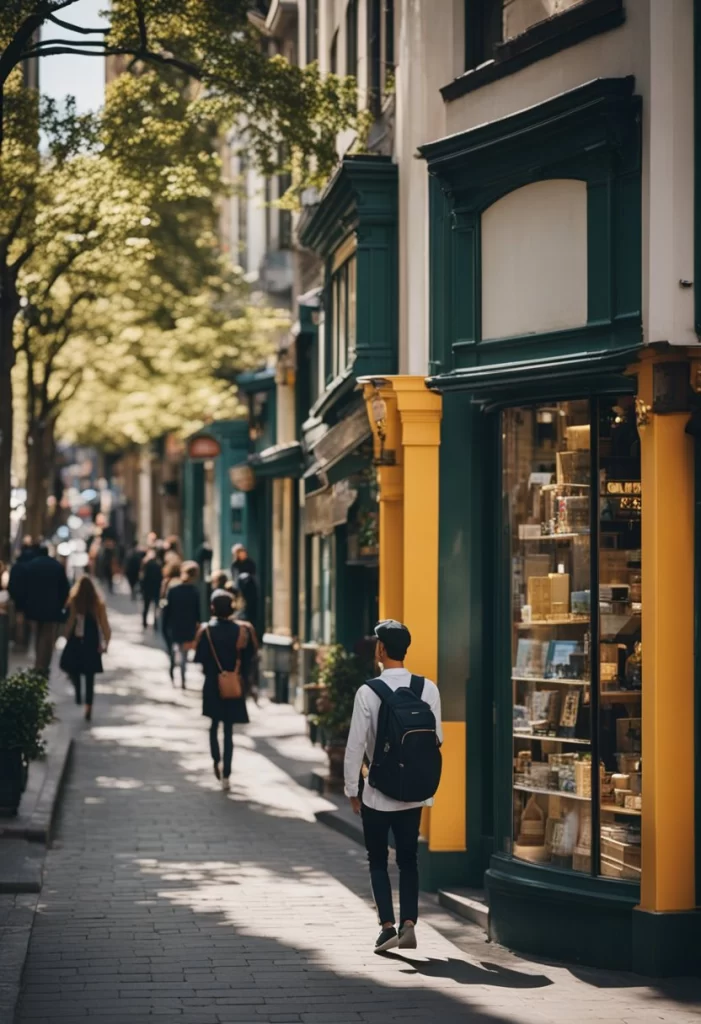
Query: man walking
[
  {"x": 46, "y": 592},
  {"x": 397, "y": 723}
]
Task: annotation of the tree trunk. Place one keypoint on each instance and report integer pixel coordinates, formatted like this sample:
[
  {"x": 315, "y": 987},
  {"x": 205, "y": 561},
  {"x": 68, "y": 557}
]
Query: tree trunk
[
  {"x": 9, "y": 308},
  {"x": 40, "y": 475}
]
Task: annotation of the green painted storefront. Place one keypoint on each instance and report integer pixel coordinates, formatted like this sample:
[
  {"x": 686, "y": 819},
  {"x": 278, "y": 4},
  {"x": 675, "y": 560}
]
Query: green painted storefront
[{"x": 591, "y": 134}]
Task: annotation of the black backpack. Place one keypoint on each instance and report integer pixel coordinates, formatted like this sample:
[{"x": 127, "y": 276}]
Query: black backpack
[{"x": 407, "y": 761}]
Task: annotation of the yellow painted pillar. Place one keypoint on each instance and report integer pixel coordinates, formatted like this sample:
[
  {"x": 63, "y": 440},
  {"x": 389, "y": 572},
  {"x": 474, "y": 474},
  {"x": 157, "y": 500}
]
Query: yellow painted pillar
[
  {"x": 381, "y": 403},
  {"x": 668, "y": 882}
]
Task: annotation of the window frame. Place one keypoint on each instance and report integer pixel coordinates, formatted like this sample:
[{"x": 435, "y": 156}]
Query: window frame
[
  {"x": 312, "y": 30},
  {"x": 352, "y": 38}
]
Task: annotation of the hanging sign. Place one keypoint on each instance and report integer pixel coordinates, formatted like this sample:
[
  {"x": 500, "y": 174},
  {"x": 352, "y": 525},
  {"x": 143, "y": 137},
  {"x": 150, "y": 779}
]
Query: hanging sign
[
  {"x": 242, "y": 477},
  {"x": 203, "y": 447}
]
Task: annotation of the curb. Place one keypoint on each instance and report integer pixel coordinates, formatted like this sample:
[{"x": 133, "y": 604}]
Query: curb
[{"x": 339, "y": 823}]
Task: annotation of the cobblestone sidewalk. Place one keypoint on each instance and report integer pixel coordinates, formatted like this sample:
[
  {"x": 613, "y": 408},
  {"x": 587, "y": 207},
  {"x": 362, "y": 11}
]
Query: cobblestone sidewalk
[{"x": 165, "y": 897}]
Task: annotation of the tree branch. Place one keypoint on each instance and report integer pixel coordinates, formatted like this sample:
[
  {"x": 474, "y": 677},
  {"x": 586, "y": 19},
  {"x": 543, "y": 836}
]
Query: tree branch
[
  {"x": 38, "y": 50},
  {"x": 77, "y": 28},
  {"x": 141, "y": 18}
]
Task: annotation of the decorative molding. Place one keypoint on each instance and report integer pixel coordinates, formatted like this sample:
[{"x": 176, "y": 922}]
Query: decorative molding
[{"x": 541, "y": 40}]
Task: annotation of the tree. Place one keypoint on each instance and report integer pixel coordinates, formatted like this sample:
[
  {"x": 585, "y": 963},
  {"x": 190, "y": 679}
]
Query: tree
[
  {"x": 131, "y": 316},
  {"x": 290, "y": 116}
]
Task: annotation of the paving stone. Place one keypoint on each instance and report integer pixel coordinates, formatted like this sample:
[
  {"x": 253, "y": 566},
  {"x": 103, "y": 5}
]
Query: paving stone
[{"x": 165, "y": 898}]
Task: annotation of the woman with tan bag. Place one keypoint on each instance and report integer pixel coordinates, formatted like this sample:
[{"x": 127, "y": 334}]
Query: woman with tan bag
[
  {"x": 224, "y": 651},
  {"x": 87, "y": 636}
]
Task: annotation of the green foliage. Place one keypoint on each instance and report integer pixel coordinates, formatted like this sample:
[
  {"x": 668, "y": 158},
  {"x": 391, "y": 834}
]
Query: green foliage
[
  {"x": 25, "y": 711},
  {"x": 341, "y": 673}
]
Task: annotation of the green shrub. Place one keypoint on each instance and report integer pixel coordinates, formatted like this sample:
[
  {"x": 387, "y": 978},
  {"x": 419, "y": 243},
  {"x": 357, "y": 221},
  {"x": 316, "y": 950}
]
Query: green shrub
[
  {"x": 25, "y": 711},
  {"x": 341, "y": 673}
]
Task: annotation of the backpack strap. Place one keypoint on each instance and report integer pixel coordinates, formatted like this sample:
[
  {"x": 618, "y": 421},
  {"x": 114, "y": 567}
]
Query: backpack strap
[
  {"x": 381, "y": 689},
  {"x": 417, "y": 686}
]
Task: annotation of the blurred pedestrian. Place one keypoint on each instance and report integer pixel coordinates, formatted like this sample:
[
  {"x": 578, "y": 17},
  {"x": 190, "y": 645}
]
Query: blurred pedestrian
[
  {"x": 248, "y": 589},
  {"x": 18, "y": 591},
  {"x": 151, "y": 579},
  {"x": 223, "y": 650},
  {"x": 181, "y": 618},
  {"x": 87, "y": 638},
  {"x": 251, "y": 675},
  {"x": 133, "y": 568},
  {"x": 105, "y": 561},
  {"x": 45, "y": 589},
  {"x": 241, "y": 562},
  {"x": 219, "y": 580}
]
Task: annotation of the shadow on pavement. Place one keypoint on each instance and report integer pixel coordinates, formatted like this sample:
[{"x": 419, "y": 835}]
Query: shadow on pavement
[{"x": 469, "y": 973}]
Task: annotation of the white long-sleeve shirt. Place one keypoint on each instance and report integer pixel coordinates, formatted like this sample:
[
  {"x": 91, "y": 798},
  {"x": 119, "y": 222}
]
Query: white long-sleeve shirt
[{"x": 363, "y": 735}]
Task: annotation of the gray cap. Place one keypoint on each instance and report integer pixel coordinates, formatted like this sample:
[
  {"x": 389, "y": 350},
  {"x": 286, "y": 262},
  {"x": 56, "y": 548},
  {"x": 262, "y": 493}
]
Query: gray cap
[{"x": 389, "y": 630}]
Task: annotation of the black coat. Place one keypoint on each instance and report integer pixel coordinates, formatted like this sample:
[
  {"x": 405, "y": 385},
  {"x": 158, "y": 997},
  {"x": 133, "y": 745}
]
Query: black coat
[
  {"x": 17, "y": 583},
  {"x": 81, "y": 655},
  {"x": 181, "y": 614},
  {"x": 133, "y": 566},
  {"x": 225, "y": 635},
  {"x": 44, "y": 588},
  {"x": 151, "y": 576}
]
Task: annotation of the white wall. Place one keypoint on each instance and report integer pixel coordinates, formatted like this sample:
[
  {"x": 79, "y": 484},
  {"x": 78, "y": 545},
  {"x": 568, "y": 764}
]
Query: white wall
[{"x": 534, "y": 260}]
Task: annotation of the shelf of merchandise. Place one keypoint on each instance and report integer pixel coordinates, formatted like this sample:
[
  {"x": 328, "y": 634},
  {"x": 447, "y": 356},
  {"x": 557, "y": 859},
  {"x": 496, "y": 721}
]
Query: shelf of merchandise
[
  {"x": 555, "y": 536},
  {"x": 551, "y": 739},
  {"x": 541, "y": 790},
  {"x": 615, "y": 809},
  {"x": 542, "y": 679},
  {"x": 544, "y": 623},
  {"x": 620, "y": 695}
]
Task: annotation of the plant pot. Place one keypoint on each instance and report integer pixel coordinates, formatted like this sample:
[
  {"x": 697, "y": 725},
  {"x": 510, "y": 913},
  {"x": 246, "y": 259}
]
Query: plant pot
[
  {"x": 13, "y": 779},
  {"x": 336, "y": 753},
  {"x": 312, "y": 691},
  {"x": 313, "y": 730}
]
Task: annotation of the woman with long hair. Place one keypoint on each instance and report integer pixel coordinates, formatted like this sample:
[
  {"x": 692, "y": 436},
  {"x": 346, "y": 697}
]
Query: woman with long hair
[{"x": 88, "y": 635}]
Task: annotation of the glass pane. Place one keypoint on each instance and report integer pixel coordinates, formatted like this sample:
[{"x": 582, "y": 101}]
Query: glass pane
[
  {"x": 547, "y": 487},
  {"x": 342, "y": 282},
  {"x": 352, "y": 299},
  {"x": 328, "y": 575},
  {"x": 620, "y": 658}
]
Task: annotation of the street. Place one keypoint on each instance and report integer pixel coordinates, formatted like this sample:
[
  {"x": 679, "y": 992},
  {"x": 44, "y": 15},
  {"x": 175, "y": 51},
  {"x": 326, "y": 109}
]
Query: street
[{"x": 165, "y": 897}]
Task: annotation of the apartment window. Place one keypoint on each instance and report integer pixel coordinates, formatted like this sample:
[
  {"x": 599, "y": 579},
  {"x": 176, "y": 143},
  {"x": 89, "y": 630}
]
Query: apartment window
[
  {"x": 333, "y": 54},
  {"x": 343, "y": 304},
  {"x": 284, "y": 216},
  {"x": 243, "y": 213},
  {"x": 352, "y": 38},
  {"x": 483, "y": 30},
  {"x": 312, "y": 30},
  {"x": 380, "y": 51}
]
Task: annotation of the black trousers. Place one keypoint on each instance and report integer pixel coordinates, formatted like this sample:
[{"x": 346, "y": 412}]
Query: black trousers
[
  {"x": 148, "y": 601},
  {"x": 89, "y": 687},
  {"x": 228, "y": 744},
  {"x": 405, "y": 828}
]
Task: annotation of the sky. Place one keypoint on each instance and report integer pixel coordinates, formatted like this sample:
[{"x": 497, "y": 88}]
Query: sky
[{"x": 82, "y": 77}]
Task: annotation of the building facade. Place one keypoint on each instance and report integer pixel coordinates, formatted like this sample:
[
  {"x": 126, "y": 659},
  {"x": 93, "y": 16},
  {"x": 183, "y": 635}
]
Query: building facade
[{"x": 495, "y": 376}]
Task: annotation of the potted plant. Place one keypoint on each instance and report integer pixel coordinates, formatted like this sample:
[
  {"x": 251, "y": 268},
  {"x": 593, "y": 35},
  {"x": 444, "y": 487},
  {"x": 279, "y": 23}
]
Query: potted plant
[
  {"x": 25, "y": 710},
  {"x": 341, "y": 673}
]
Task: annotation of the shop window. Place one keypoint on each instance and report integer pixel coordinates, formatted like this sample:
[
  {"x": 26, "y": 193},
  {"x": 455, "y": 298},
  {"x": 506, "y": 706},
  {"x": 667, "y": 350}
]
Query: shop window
[
  {"x": 352, "y": 38},
  {"x": 483, "y": 30},
  {"x": 573, "y": 502},
  {"x": 343, "y": 303},
  {"x": 327, "y": 546}
]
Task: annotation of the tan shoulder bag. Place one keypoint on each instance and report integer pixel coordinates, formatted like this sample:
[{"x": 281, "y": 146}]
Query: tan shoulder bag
[{"x": 230, "y": 684}]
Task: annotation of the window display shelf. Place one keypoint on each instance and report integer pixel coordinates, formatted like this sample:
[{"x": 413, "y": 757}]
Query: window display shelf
[
  {"x": 551, "y": 739},
  {"x": 542, "y": 679},
  {"x": 620, "y": 695},
  {"x": 615, "y": 809},
  {"x": 544, "y": 623},
  {"x": 556, "y": 792},
  {"x": 555, "y": 536}
]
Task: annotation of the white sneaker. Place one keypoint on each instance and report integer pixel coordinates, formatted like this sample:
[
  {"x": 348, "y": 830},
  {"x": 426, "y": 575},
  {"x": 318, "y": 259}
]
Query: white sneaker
[{"x": 226, "y": 785}]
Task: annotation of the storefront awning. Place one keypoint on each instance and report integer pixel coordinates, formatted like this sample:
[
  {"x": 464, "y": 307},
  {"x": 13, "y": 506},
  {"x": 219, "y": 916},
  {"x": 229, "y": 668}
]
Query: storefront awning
[
  {"x": 324, "y": 511},
  {"x": 342, "y": 439},
  {"x": 580, "y": 373},
  {"x": 280, "y": 460}
]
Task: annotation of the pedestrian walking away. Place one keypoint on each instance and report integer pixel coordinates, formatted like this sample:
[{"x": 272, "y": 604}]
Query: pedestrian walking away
[
  {"x": 133, "y": 568},
  {"x": 151, "y": 578},
  {"x": 44, "y": 587},
  {"x": 241, "y": 562},
  {"x": 396, "y": 722},
  {"x": 18, "y": 591},
  {"x": 87, "y": 638},
  {"x": 180, "y": 617},
  {"x": 224, "y": 650}
]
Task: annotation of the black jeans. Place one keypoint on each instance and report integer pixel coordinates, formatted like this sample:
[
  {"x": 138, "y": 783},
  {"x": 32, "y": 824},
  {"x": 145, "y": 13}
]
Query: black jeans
[
  {"x": 89, "y": 687},
  {"x": 148, "y": 601},
  {"x": 228, "y": 744},
  {"x": 405, "y": 828}
]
